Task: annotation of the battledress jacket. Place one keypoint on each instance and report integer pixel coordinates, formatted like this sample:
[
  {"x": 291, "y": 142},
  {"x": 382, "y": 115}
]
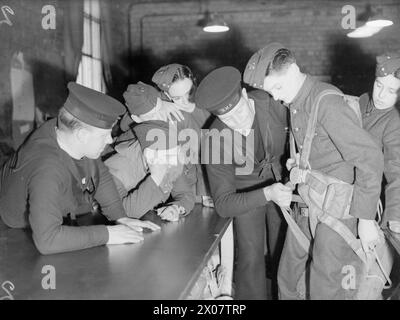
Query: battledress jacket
[
  {"x": 341, "y": 147},
  {"x": 384, "y": 126}
]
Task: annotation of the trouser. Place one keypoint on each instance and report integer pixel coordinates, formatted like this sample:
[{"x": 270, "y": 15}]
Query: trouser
[
  {"x": 250, "y": 271},
  {"x": 333, "y": 270},
  {"x": 276, "y": 231}
]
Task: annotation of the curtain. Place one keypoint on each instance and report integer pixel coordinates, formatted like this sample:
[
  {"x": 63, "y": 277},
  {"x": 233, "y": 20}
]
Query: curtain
[
  {"x": 73, "y": 38},
  {"x": 107, "y": 52},
  {"x": 115, "y": 64}
]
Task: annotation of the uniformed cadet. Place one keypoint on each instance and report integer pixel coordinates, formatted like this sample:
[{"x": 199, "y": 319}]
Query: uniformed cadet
[
  {"x": 381, "y": 119},
  {"x": 253, "y": 129},
  {"x": 57, "y": 174},
  {"x": 340, "y": 149},
  {"x": 143, "y": 180}
]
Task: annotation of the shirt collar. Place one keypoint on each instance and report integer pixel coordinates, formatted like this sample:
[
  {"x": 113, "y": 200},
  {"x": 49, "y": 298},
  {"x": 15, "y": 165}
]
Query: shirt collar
[{"x": 304, "y": 92}]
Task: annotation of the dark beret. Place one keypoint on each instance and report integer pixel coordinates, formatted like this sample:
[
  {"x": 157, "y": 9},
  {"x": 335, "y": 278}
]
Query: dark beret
[
  {"x": 387, "y": 63},
  {"x": 254, "y": 74},
  {"x": 92, "y": 107},
  {"x": 140, "y": 98},
  {"x": 219, "y": 91},
  {"x": 163, "y": 76}
]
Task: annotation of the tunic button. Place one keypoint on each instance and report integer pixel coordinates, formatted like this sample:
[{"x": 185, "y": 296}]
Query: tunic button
[
  {"x": 294, "y": 111},
  {"x": 301, "y": 147},
  {"x": 296, "y": 129}
]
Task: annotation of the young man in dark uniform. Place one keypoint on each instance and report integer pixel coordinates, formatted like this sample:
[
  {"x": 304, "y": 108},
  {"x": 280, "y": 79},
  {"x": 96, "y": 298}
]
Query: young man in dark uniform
[
  {"x": 57, "y": 173},
  {"x": 381, "y": 119},
  {"x": 253, "y": 129},
  {"x": 340, "y": 149}
]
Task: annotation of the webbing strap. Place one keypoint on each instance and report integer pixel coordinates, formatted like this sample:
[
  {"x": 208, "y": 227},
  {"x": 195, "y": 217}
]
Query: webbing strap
[
  {"x": 355, "y": 244},
  {"x": 311, "y": 125},
  {"x": 331, "y": 222},
  {"x": 340, "y": 228},
  {"x": 385, "y": 274},
  {"x": 298, "y": 233},
  {"x": 292, "y": 145}
]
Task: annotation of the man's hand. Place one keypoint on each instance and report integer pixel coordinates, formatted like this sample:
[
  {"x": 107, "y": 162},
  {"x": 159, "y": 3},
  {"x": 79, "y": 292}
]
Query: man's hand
[
  {"x": 171, "y": 212},
  {"x": 278, "y": 193},
  {"x": 291, "y": 163},
  {"x": 169, "y": 111},
  {"x": 368, "y": 231},
  {"x": 138, "y": 225},
  {"x": 121, "y": 234}
]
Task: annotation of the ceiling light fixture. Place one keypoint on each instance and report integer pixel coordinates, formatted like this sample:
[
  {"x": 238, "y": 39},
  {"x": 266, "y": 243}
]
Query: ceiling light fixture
[
  {"x": 374, "y": 21},
  {"x": 214, "y": 22},
  {"x": 364, "y": 31},
  {"x": 374, "y": 17}
]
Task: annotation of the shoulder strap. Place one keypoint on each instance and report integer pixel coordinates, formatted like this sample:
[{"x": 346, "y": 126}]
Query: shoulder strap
[{"x": 312, "y": 123}]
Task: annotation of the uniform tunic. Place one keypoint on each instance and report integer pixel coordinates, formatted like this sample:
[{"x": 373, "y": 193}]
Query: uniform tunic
[
  {"x": 339, "y": 145},
  {"x": 41, "y": 185},
  {"x": 384, "y": 126}
]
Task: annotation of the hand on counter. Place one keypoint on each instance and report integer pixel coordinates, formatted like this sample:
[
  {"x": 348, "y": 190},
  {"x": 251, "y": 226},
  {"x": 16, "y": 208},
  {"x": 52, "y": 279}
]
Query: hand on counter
[
  {"x": 121, "y": 234},
  {"x": 129, "y": 231},
  {"x": 171, "y": 212}
]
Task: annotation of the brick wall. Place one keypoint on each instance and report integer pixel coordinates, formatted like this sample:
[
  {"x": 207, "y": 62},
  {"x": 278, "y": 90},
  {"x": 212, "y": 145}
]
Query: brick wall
[
  {"x": 165, "y": 32},
  {"x": 150, "y": 33}
]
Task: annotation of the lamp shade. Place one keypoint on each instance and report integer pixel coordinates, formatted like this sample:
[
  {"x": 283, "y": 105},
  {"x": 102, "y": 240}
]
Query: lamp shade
[
  {"x": 364, "y": 31},
  {"x": 214, "y": 22},
  {"x": 374, "y": 17},
  {"x": 379, "y": 22}
]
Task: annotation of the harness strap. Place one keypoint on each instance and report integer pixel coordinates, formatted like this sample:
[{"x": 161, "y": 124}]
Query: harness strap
[
  {"x": 340, "y": 228},
  {"x": 310, "y": 131},
  {"x": 298, "y": 233},
  {"x": 385, "y": 274}
]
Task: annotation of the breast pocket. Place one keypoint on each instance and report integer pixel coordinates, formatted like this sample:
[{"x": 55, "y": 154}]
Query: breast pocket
[{"x": 322, "y": 143}]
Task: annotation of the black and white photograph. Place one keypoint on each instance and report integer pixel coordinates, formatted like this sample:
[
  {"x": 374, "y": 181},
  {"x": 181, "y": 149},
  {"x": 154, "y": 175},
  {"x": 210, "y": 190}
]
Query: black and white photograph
[{"x": 184, "y": 152}]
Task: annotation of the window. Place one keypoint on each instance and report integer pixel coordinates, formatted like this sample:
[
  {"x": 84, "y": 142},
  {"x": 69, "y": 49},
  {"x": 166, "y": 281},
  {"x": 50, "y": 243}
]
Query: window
[{"x": 90, "y": 72}]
